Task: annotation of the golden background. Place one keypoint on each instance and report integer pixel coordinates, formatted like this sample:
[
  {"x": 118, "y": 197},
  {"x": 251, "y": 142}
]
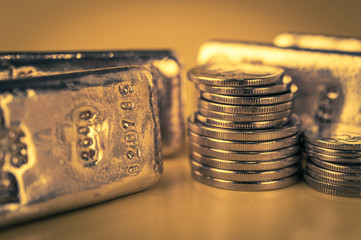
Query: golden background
[
  {"x": 180, "y": 25},
  {"x": 178, "y": 207}
]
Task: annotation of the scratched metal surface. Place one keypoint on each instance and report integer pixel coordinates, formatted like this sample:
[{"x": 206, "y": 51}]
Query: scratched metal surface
[
  {"x": 73, "y": 147},
  {"x": 328, "y": 81},
  {"x": 164, "y": 65}
]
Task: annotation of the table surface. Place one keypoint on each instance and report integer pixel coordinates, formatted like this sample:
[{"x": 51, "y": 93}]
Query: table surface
[{"x": 178, "y": 207}]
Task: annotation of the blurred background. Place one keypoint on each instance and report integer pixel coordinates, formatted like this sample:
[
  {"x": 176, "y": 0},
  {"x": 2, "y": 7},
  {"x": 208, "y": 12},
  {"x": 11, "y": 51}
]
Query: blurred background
[
  {"x": 41, "y": 25},
  {"x": 179, "y": 25}
]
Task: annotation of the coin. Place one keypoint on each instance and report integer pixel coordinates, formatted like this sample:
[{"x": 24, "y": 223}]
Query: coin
[
  {"x": 249, "y": 91},
  {"x": 331, "y": 152},
  {"x": 289, "y": 129},
  {"x": 245, "y": 156},
  {"x": 338, "y": 167},
  {"x": 240, "y": 125},
  {"x": 334, "y": 159},
  {"x": 333, "y": 174},
  {"x": 332, "y": 189},
  {"x": 335, "y": 136},
  {"x": 246, "y": 109},
  {"x": 336, "y": 181},
  {"x": 235, "y": 74},
  {"x": 245, "y": 165},
  {"x": 245, "y": 186},
  {"x": 244, "y": 176},
  {"x": 245, "y": 117},
  {"x": 244, "y": 146},
  {"x": 252, "y": 100}
]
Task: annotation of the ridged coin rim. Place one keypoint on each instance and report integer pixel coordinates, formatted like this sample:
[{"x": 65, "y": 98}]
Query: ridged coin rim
[
  {"x": 331, "y": 158},
  {"x": 242, "y": 145},
  {"x": 338, "y": 167},
  {"x": 331, "y": 152},
  {"x": 240, "y": 125},
  {"x": 252, "y": 100},
  {"x": 332, "y": 189},
  {"x": 335, "y": 181},
  {"x": 333, "y": 174},
  {"x": 249, "y": 91},
  {"x": 245, "y": 186},
  {"x": 245, "y": 117},
  {"x": 245, "y": 156},
  {"x": 203, "y": 75},
  {"x": 289, "y": 129},
  {"x": 244, "y": 176},
  {"x": 244, "y": 109},
  {"x": 245, "y": 165}
]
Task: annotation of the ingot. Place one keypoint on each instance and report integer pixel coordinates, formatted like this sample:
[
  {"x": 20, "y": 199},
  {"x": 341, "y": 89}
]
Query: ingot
[
  {"x": 318, "y": 42},
  {"x": 75, "y": 139},
  {"x": 165, "y": 67}
]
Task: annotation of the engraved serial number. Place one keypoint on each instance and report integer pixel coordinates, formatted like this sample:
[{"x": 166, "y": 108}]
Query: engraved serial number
[
  {"x": 82, "y": 132},
  {"x": 130, "y": 136}
]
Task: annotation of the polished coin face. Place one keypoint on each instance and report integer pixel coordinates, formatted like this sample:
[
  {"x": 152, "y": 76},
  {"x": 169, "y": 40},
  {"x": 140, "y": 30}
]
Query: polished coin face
[
  {"x": 287, "y": 130},
  {"x": 245, "y": 109},
  {"x": 244, "y": 146},
  {"x": 338, "y": 167},
  {"x": 245, "y": 117},
  {"x": 332, "y": 189},
  {"x": 336, "y": 181},
  {"x": 244, "y": 176},
  {"x": 245, "y": 165},
  {"x": 332, "y": 152},
  {"x": 245, "y": 186},
  {"x": 235, "y": 74},
  {"x": 282, "y": 87},
  {"x": 245, "y": 156},
  {"x": 335, "y": 136},
  {"x": 241, "y": 125},
  {"x": 331, "y": 158},
  {"x": 333, "y": 174},
  {"x": 251, "y": 100}
]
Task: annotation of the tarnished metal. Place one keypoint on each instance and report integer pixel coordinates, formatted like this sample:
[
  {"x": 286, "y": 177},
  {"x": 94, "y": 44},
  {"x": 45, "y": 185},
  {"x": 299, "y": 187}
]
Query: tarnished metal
[
  {"x": 328, "y": 79},
  {"x": 163, "y": 64},
  {"x": 75, "y": 139}
]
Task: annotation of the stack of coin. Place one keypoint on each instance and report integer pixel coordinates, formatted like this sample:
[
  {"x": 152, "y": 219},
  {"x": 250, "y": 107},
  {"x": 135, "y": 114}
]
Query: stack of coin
[
  {"x": 334, "y": 159},
  {"x": 243, "y": 135}
]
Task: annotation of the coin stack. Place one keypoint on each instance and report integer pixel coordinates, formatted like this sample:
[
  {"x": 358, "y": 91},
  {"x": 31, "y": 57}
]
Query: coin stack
[
  {"x": 334, "y": 159},
  {"x": 244, "y": 135}
]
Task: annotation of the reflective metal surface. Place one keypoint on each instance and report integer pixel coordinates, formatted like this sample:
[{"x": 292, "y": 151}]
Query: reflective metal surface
[
  {"x": 224, "y": 130},
  {"x": 328, "y": 81},
  {"x": 164, "y": 65},
  {"x": 76, "y": 139},
  {"x": 318, "y": 42},
  {"x": 228, "y": 75}
]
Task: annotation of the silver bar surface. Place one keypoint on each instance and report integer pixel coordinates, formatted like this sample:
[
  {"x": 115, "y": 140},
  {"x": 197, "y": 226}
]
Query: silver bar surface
[
  {"x": 75, "y": 139},
  {"x": 164, "y": 65}
]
